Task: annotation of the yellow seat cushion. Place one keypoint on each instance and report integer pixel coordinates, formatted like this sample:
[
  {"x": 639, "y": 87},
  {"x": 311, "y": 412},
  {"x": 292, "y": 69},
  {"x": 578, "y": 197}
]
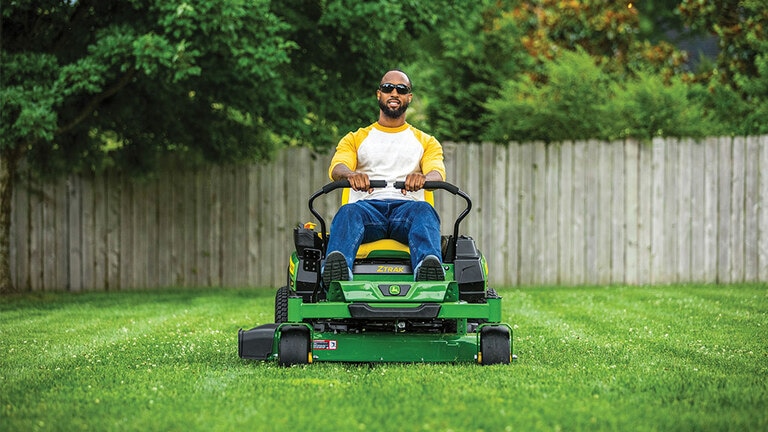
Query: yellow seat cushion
[{"x": 383, "y": 248}]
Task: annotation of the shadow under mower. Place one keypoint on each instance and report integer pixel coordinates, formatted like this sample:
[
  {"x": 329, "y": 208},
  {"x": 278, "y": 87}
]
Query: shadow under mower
[{"x": 382, "y": 315}]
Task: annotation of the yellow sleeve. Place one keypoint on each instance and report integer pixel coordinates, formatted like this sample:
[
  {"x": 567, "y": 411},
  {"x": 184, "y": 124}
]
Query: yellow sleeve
[
  {"x": 433, "y": 156},
  {"x": 346, "y": 153}
]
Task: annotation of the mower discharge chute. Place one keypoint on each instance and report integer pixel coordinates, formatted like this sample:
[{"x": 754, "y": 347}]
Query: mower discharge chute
[{"x": 383, "y": 315}]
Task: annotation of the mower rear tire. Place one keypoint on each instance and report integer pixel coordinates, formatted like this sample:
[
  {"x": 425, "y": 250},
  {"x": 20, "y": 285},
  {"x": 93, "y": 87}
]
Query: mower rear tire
[
  {"x": 294, "y": 348},
  {"x": 281, "y": 304},
  {"x": 495, "y": 345}
]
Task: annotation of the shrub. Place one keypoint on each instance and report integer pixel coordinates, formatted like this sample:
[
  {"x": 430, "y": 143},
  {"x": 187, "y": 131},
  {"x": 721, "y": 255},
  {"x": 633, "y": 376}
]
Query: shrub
[
  {"x": 577, "y": 99},
  {"x": 646, "y": 106},
  {"x": 566, "y": 105}
]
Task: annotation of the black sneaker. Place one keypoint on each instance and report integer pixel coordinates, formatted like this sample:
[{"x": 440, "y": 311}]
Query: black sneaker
[
  {"x": 430, "y": 269},
  {"x": 336, "y": 268}
]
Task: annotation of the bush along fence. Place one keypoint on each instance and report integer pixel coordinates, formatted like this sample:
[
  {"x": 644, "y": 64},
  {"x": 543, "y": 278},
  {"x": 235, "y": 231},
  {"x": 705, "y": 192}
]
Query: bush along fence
[{"x": 571, "y": 213}]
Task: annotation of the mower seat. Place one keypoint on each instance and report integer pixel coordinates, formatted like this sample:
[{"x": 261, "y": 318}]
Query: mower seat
[{"x": 385, "y": 248}]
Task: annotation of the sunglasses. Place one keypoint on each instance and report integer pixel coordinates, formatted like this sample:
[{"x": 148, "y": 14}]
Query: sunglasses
[{"x": 401, "y": 88}]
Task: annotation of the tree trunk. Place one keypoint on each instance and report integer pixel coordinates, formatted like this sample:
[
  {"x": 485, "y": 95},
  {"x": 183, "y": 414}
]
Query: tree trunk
[{"x": 8, "y": 164}]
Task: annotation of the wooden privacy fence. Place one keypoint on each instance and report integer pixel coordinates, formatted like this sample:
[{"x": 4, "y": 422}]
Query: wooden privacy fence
[{"x": 568, "y": 213}]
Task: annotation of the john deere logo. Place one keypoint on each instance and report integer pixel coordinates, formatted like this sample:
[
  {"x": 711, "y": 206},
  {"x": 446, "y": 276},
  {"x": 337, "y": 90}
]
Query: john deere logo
[{"x": 394, "y": 290}]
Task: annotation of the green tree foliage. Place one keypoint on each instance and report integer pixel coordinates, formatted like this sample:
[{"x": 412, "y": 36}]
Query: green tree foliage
[
  {"x": 343, "y": 48},
  {"x": 464, "y": 63},
  {"x": 742, "y": 63},
  {"x": 649, "y": 106},
  {"x": 567, "y": 106},
  {"x": 651, "y": 92},
  {"x": 220, "y": 80},
  {"x": 579, "y": 100},
  {"x": 505, "y": 49},
  {"x": 89, "y": 81}
]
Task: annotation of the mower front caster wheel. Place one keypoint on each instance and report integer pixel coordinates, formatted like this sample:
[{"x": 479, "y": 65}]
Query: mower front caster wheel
[
  {"x": 495, "y": 346},
  {"x": 294, "y": 346}
]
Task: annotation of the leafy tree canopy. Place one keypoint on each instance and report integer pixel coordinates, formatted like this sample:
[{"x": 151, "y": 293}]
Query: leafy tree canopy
[
  {"x": 89, "y": 82},
  {"x": 505, "y": 80},
  {"x": 132, "y": 80}
]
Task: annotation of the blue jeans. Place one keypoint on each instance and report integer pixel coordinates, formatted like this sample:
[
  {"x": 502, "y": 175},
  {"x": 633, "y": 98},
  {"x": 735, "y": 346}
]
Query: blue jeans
[{"x": 414, "y": 223}]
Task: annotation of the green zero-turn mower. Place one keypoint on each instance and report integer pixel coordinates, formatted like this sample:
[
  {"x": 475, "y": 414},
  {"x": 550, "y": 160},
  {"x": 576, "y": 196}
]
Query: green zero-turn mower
[{"x": 382, "y": 315}]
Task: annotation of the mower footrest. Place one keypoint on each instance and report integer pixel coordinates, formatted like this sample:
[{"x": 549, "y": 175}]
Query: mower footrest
[{"x": 364, "y": 310}]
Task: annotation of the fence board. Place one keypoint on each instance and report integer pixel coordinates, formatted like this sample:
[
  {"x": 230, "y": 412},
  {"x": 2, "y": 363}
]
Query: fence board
[
  {"x": 62, "y": 234},
  {"x": 270, "y": 231},
  {"x": 762, "y": 224},
  {"x": 253, "y": 226},
  {"x": 725, "y": 177},
  {"x": 447, "y": 206},
  {"x": 76, "y": 261},
  {"x": 670, "y": 214},
  {"x": 176, "y": 259},
  {"x": 486, "y": 198},
  {"x": 590, "y": 202},
  {"x": 737, "y": 210},
  {"x": 47, "y": 237},
  {"x": 604, "y": 228},
  {"x": 125, "y": 240},
  {"x": 472, "y": 179},
  {"x": 658, "y": 264},
  {"x": 578, "y": 210},
  {"x": 239, "y": 268},
  {"x": 631, "y": 157},
  {"x": 538, "y": 244},
  {"x": 98, "y": 236},
  {"x": 684, "y": 224},
  {"x": 165, "y": 236},
  {"x": 114, "y": 202},
  {"x": 645, "y": 216},
  {"x": 696, "y": 217},
  {"x": 500, "y": 223},
  {"x": 618, "y": 213},
  {"x": 227, "y": 245},
  {"x": 151, "y": 236},
  {"x": 567, "y": 213},
  {"x": 711, "y": 207},
  {"x": 551, "y": 211},
  {"x": 214, "y": 235},
  {"x": 751, "y": 205},
  {"x": 188, "y": 232},
  {"x": 513, "y": 216},
  {"x": 527, "y": 255},
  {"x": 20, "y": 234},
  {"x": 35, "y": 264}
]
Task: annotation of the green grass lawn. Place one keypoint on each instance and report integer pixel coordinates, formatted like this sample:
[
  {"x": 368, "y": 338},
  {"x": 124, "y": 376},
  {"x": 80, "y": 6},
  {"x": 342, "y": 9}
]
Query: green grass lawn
[{"x": 614, "y": 358}]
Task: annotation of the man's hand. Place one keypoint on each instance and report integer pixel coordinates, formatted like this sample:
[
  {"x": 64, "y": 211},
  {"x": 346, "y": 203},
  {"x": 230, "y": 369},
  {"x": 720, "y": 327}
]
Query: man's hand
[
  {"x": 359, "y": 182},
  {"x": 415, "y": 181}
]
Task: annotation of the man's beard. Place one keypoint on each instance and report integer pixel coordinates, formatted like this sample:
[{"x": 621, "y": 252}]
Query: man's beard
[{"x": 393, "y": 113}]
